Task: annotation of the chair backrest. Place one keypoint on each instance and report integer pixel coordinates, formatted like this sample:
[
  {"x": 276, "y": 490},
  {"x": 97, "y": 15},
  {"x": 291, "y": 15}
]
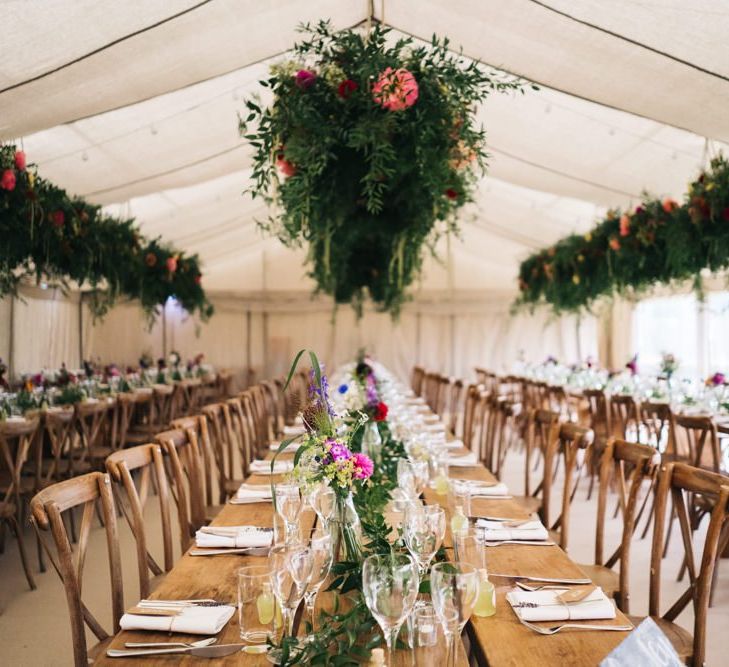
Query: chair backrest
[
  {"x": 244, "y": 431},
  {"x": 274, "y": 401},
  {"x": 541, "y": 440},
  {"x": 658, "y": 419},
  {"x": 198, "y": 424},
  {"x": 16, "y": 442},
  {"x": 454, "y": 405},
  {"x": 470, "y": 414},
  {"x": 416, "y": 379},
  {"x": 163, "y": 403},
  {"x": 147, "y": 461},
  {"x": 59, "y": 430},
  {"x": 624, "y": 418},
  {"x": 599, "y": 413},
  {"x": 683, "y": 483},
  {"x": 47, "y": 507},
  {"x": 619, "y": 460},
  {"x": 222, "y": 442},
  {"x": 698, "y": 441},
  {"x": 186, "y": 474},
  {"x": 443, "y": 397},
  {"x": 91, "y": 421}
]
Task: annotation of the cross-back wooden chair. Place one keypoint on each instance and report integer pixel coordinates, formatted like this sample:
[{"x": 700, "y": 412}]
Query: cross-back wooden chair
[
  {"x": 274, "y": 401},
  {"x": 506, "y": 434},
  {"x": 598, "y": 420},
  {"x": 222, "y": 444},
  {"x": 454, "y": 405},
  {"x": 416, "y": 379},
  {"x": 16, "y": 442},
  {"x": 431, "y": 389},
  {"x": 254, "y": 402},
  {"x": 93, "y": 422},
  {"x": 471, "y": 407},
  {"x": 680, "y": 482},
  {"x": 624, "y": 418},
  {"x": 543, "y": 428},
  {"x": 244, "y": 430},
  {"x": 659, "y": 422},
  {"x": 196, "y": 427},
  {"x": 570, "y": 442},
  {"x": 490, "y": 426},
  {"x": 163, "y": 398},
  {"x": 47, "y": 508},
  {"x": 186, "y": 474},
  {"x": 148, "y": 464},
  {"x": 443, "y": 396},
  {"x": 637, "y": 464}
]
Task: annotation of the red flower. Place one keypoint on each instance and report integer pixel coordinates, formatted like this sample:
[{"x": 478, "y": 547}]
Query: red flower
[
  {"x": 58, "y": 218},
  {"x": 305, "y": 78},
  {"x": 198, "y": 279},
  {"x": 451, "y": 193},
  {"x": 171, "y": 264},
  {"x": 150, "y": 259},
  {"x": 20, "y": 160},
  {"x": 346, "y": 88},
  {"x": 7, "y": 181},
  {"x": 381, "y": 412},
  {"x": 285, "y": 167}
]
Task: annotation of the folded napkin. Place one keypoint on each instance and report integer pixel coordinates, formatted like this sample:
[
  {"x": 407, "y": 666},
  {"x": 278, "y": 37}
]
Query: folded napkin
[
  {"x": 264, "y": 467},
  {"x": 454, "y": 444},
  {"x": 465, "y": 460},
  {"x": 479, "y": 489},
  {"x": 434, "y": 428},
  {"x": 254, "y": 491},
  {"x": 233, "y": 537},
  {"x": 292, "y": 431},
  {"x": 544, "y": 606},
  {"x": 495, "y": 531},
  {"x": 191, "y": 620},
  {"x": 275, "y": 445}
]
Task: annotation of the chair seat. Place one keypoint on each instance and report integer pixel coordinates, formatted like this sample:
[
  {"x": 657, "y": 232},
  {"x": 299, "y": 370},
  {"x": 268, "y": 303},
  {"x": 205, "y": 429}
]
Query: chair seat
[
  {"x": 680, "y": 639},
  {"x": 604, "y": 577},
  {"x": 529, "y": 503}
]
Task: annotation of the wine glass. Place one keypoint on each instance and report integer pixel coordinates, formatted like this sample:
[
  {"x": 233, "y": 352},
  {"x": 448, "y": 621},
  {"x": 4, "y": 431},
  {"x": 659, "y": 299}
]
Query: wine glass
[
  {"x": 322, "y": 557},
  {"x": 291, "y": 569},
  {"x": 390, "y": 584},
  {"x": 288, "y": 503},
  {"x": 323, "y": 499},
  {"x": 454, "y": 590},
  {"x": 423, "y": 531}
]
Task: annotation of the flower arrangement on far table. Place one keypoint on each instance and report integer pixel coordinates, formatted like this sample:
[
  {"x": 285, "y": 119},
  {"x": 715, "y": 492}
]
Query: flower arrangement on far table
[{"x": 669, "y": 365}]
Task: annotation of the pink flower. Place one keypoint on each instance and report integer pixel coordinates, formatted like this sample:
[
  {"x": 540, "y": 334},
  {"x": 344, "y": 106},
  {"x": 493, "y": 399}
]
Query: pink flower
[
  {"x": 58, "y": 218},
  {"x": 7, "y": 180},
  {"x": 20, "y": 160},
  {"x": 171, "y": 264},
  {"x": 363, "y": 466},
  {"x": 305, "y": 78},
  {"x": 624, "y": 225},
  {"x": 338, "y": 451},
  {"x": 395, "y": 90}
]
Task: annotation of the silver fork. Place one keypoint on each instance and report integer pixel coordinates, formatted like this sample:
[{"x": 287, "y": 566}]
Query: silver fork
[
  {"x": 553, "y": 630},
  {"x": 529, "y": 543},
  {"x": 544, "y": 587}
]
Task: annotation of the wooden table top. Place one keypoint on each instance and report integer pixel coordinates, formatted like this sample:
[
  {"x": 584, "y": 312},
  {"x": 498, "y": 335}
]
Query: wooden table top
[{"x": 501, "y": 639}]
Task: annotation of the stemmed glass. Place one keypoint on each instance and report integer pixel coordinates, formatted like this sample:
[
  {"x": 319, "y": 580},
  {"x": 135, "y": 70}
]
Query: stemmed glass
[
  {"x": 288, "y": 503},
  {"x": 390, "y": 584},
  {"x": 291, "y": 568},
  {"x": 454, "y": 590},
  {"x": 323, "y": 500},
  {"x": 423, "y": 531},
  {"x": 322, "y": 557},
  {"x": 412, "y": 476}
]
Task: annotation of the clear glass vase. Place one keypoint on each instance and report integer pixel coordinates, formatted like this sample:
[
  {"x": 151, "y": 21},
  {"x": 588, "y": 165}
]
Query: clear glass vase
[
  {"x": 371, "y": 441},
  {"x": 346, "y": 530}
]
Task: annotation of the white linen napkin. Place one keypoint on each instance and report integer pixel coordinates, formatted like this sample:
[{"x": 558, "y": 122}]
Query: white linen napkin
[
  {"x": 254, "y": 491},
  {"x": 495, "y": 531},
  {"x": 192, "y": 620},
  {"x": 275, "y": 445},
  {"x": 233, "y": 537},
  {"x": 548, "y": 608},
  {"x": 292, "y": 431},
  {"x": 465, "y": 460},
  {"x": 456, "y": 443},
  {"x": 479, "y": 490},
  {"x": 264, "y": 467}
]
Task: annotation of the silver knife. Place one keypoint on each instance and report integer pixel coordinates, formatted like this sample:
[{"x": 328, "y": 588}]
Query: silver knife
[
  {"x": 250, "y": 551},
  {"x": 545, "y": 579},
  {"x": 201, "y": 652}
]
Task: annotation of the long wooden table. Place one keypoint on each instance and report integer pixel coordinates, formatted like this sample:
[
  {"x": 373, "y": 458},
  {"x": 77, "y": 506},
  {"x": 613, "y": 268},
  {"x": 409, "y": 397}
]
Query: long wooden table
[{"x": 499, "y": 640}]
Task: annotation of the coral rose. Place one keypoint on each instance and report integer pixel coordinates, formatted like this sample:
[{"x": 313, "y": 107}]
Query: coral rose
[
  {"x": 614, "y": 243},
  {"x": 20, "y": 160},
  {"x": 7, "y": 180},
  {"x": 395, "y": 90},
  {"x": 171, "y": 264},
  {"x": 285, "y": 167},
  {"x": 669, "y": 205},
  {"x": 346, "y": 88},
  {"x": 624, "y": 225}
]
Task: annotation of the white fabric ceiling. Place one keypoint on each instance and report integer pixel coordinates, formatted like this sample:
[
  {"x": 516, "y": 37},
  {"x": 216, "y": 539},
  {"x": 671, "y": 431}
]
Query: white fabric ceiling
[{"x": 140, "y": 101}]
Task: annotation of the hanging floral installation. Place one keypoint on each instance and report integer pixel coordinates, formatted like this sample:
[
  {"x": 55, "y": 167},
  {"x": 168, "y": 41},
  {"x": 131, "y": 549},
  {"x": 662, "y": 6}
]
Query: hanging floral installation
[
  {"x": 366, "y": 153},
  {"x": 660, "y": 241},
  {"x": 50, "y": 236}
]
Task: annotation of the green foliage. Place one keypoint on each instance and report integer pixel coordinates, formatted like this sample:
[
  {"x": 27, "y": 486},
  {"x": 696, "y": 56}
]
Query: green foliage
[
  {"x": 368, "y": 188},
  {"x": 49, "y": 235},
  {"x": 658, "y": 242}
]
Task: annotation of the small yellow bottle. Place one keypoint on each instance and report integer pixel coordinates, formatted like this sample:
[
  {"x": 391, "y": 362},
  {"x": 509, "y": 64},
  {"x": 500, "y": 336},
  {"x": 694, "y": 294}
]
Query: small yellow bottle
[
  {"x": 266, "y": 605},
  {"x": 486, "y": 600},
  {"x": 442, "y": 485},
  {"x": 459, "y": 522}
]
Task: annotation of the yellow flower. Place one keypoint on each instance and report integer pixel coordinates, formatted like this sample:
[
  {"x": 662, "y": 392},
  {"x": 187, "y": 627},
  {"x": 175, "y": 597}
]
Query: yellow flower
[
  {"x": 576, "y": 279},
  {"x": 588, "y": 237},
  {"x": 31, "y": 179},
  {"x": 580, "y": 258},
  {"x": 710, "y": 186}
]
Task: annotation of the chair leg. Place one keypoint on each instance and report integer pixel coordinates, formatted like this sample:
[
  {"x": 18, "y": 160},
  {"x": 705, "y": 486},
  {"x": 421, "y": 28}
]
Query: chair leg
[
  {"x": 39, "y": 546},
  {"x": 723, "y": 541},
  {"x": 671, "y": 519},
  {"x": 16, "y": 529},
  {"x": 652, "y": 494}
]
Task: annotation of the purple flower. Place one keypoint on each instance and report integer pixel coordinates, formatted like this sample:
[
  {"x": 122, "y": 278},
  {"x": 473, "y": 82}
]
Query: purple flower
[
  {"x": 371, "y": 391},
  {"x": 632, "y": 365},
  {"x": 305, "y": 78},
  {"x": 718, "y": 379},
  {"x": 338, "y": 451},
  {"x": 363, "y": 466}
]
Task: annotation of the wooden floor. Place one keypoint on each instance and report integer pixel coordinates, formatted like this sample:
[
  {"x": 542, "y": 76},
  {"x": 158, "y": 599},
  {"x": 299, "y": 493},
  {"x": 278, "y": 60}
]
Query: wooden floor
[{"x": 34, "y": 624}]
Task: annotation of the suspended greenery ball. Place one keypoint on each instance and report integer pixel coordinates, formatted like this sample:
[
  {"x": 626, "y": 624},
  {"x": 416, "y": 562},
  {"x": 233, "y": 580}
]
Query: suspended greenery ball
[
  {"x": 659, "y": 242},
  {"x": 366, "y": 152},
  {"x": 50, "y": 236}
]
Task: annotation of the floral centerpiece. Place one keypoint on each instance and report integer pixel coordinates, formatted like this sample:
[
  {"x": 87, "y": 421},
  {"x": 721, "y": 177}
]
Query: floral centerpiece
[
  {"x": 669, "y": 365},
  {"x": 324, "y": 457},
  {"x": 368, "y": 150}
]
